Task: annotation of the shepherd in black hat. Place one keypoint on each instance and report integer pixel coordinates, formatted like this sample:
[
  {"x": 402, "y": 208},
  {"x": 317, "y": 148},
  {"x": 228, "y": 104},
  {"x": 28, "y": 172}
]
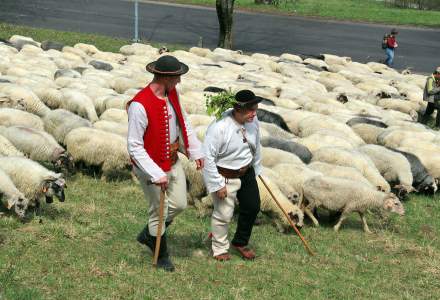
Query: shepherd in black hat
[
  {"x": 157, "y": 129},
  {"x": 232, "y": 161}
]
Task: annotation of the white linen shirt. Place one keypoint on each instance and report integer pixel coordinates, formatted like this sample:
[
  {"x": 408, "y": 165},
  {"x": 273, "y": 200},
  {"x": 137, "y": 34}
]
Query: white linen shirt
[
  {"x": 138, "y": 123},
  {"x": 224, "y": 147}
]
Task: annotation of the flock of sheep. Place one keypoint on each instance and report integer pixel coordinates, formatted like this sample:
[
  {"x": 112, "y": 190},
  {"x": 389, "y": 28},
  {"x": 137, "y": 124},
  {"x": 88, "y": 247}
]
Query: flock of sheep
[{"x": 335, "y": 133}]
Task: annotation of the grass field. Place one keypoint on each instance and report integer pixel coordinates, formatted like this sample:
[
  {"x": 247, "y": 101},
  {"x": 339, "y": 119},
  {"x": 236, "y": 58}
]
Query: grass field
[
  {"x": 85, "y": 248},
  {"x": 354, "y": 10}
]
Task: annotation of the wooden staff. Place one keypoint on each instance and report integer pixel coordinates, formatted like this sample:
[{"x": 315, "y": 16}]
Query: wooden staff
[
  {"x": 287, "y": 216},
  {"x": 159, "y": 227}
]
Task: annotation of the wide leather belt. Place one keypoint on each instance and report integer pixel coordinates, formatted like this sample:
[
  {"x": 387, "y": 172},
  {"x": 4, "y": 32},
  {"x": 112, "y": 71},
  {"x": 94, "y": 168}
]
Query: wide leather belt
[
  {"x": 230, "y": 173},
  {"x": 174, "y": 147}
]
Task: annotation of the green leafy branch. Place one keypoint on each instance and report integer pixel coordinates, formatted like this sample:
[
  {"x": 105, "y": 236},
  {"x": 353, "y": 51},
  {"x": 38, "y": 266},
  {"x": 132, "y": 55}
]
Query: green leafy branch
[{"x": 217, "y": 104}]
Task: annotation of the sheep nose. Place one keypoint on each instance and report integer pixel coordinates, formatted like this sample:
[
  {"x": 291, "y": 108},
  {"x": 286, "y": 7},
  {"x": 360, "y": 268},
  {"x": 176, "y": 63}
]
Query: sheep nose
[{"x": 294, "y": 218}]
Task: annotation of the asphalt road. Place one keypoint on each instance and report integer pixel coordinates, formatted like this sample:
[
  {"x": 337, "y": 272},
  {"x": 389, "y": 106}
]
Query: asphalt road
[{"x": 418, "y": 48}]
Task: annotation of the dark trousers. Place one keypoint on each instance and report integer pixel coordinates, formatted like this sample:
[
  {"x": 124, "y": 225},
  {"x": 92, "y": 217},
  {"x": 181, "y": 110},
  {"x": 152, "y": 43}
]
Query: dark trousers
[
  {"x": 248, "y": 197},
  {"x": 428, "y": 112}
]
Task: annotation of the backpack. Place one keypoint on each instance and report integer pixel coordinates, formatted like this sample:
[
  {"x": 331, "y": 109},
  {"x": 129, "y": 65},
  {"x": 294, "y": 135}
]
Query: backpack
[{"x": 385, "y": 41}]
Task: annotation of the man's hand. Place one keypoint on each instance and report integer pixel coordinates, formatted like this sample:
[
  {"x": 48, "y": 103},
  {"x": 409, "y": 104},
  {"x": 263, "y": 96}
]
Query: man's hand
[
  {"x": 222, "y": 193},
  {"x": 163, "y": 183},
  {"x": 200, "y": 163}
]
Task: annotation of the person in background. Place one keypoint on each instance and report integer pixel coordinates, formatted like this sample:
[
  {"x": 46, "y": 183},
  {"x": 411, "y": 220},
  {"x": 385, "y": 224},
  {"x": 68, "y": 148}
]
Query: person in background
[
  {"x": 391, "y": 45},
  {"x": 431, "y": 94}
]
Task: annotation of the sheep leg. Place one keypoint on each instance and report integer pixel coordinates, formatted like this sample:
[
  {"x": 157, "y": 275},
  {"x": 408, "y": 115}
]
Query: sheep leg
[
  {"x": 310, "y": 215},
  {"x": 341, "y": 219},
  {"x": 364, "y": 222}
]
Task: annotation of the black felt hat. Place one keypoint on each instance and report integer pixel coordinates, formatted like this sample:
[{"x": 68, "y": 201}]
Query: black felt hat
[
  {"x": 246, "y": 98},
  {"x": 167, "y": 65},
  {"x": 394, "y": 31}
]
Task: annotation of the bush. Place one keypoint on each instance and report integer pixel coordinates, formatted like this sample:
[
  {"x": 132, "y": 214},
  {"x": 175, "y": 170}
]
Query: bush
[{"x": 415, "y": 4}]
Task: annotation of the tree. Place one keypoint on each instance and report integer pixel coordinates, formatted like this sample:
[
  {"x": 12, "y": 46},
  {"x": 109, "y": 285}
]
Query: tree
[{"x": 225, "y": 10}]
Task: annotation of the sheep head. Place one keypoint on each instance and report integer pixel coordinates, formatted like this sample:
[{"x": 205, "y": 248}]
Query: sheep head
[
  {"x": 54, "y": 186},
  {"x": 18, "y": 202},
  {"x": 392, "y": 204},
  {"x": 296, "y": 215},
  {"x": 403, "y": 190},
  {"x": 64, "y": 161}
]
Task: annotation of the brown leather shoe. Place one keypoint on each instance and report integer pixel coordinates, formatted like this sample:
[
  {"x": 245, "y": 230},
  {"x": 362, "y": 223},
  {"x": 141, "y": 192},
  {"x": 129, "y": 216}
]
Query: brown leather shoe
[
  {"x": 245, "y": 252},
  {"x": 223, "y": 257}
]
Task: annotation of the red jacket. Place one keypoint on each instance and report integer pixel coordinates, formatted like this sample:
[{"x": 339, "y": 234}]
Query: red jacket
[
  {"x": 391, "y": 42},
  {"x": 157, "y": 137}
]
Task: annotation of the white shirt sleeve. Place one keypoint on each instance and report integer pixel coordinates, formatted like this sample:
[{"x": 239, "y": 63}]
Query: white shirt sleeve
[
  {"x": 257, "y": 158},
  {"x": 137, "y": 124},
  {"x": 194, "y": 145},
  {"x": 213, "y": 180}
]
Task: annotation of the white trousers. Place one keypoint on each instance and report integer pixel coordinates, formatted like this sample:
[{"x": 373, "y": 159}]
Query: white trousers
[
  {"x": 222, "y": 215},
  {"x": 175, "y": 196}
]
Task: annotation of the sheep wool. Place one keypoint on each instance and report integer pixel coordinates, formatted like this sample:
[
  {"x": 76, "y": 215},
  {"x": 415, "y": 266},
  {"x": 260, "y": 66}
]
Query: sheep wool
[
  {"x": 11, "y": 117},
  {"x": 11, "y": 197},
  {"x": 60, "y": 122}
]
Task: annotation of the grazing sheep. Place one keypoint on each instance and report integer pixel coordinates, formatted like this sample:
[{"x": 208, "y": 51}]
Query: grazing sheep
[
  {"x": 367, "y": 132},
  {"x": 339, "y": 172},
  {"x": 98, "y": 148},
  {"x": 11, "y": 197},
  {"x": 393, "y": 166},
  {"x": 393, "y": 137},
  {"x": 7, "y": 102},
  {"x": 287, "y": 189},
  {"x": 79, "y": 103},
  {"x": 38, "y": 145},
  {"x": 60, "y": 122},
  {"x": 33, "y": 180},
  {"x": 322, "y": 139},
  {"x": 422, "y": 180},
  {"x": 270, "y": 117},
  {"x": 32, "y": 103},
  {"x": 115, "y": 115},
  {"x": 431, "y": 160},
  {"x": 353, "y": 158},
  {"x": 275, "y": 131},
  {"x": 336, "y": 194},
  {"x": 113, "y": 127},
  {"x": 363, "y": 120},
  {"x": 272, "y": 156},
  {"x": 11, "y": 117},
  {"x": 289, "y": 146},
  {"x": 8, "y": 149}
]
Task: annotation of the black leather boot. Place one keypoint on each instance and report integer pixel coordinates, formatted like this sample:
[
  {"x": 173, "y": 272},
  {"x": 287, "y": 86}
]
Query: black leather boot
[{"x": 163, "y": 261}]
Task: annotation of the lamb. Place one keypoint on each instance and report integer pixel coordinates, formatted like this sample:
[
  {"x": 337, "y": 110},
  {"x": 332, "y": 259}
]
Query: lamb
[
  {"x": 38, "y": 145},
  {"x": 422, "y": 180},
  {"x": 339, "y": 172},
  {"x": 353, "y": 158},
  {"x": 98, "y": 148},
  {"x": 34, "y": 180},
  {"x": 79, "y": 103},
  {"x": 393, "y": 166},
  {"x": 348, "y": 196},
  {"x": 272, "y": 156},
  {"x": 11, "y": 197},
  {"x": 289, "y": 146},
  {"x": 60, "y": 122},
  {"x": 8, "y": 149},
  {"x": 11, "y": 117}
]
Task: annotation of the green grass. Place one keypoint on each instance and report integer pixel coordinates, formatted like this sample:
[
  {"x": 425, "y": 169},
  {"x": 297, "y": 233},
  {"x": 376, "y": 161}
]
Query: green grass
[
  {"x": 71, "y": 38},
  {"x": 353, "y": 10},
  {"x": 85, "y": 249}
]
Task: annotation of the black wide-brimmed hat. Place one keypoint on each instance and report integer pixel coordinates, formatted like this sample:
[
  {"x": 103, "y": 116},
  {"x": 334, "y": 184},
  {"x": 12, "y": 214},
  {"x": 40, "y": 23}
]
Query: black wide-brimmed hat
[
  {"x": 167, "y": 65},
  {"x": 394, "y": 31},
  {"x": 246, "y": 98}
]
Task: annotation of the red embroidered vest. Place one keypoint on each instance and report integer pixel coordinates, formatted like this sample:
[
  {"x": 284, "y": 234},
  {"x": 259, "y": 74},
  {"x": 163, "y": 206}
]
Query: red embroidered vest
[{"x": 157, "y": 136}]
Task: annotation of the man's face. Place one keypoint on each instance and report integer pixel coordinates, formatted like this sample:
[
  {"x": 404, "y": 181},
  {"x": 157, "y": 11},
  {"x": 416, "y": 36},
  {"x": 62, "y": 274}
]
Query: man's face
[{"x": 248, "y": 113}]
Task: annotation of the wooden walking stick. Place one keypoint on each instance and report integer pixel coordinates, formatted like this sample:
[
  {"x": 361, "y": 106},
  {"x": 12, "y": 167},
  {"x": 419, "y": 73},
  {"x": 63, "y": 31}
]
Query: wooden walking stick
[
  {"x": 287, "y": 216},
  {"x": 159, "y": 228}
]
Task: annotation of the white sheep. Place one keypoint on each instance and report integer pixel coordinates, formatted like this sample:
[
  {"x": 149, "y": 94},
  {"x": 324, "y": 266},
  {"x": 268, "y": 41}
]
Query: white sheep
[
  {"x": 324, "y": 138},
  {"x": 33, "y": 180},
  {"x": 430, "y": 160},
  {"x": 79, "y": 103},
  {"x": 353, "y": 158},
  {"x": 339, "y": 172},
  {"x": 367, "y": 132},
  {"x": 393, "y": 166},
  {"x": 272, "y": 156},
  {"x": 32, "y": 103},
  {"x": 113, "y": 127},
  {"x": 11, "y": 197},
  {"x": 38, "y": 145},
  {"x": 60, "y": 122},
  {"x": 99, "y": 148},
  {"x": 11, "y": 117},
  {"x": 8, "y": 149},
  {"x": 347, "y": 196},
  {"x": 115, "y": 115}
]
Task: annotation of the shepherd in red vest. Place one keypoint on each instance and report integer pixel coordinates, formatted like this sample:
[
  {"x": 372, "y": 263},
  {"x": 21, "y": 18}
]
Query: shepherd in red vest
[{"x": 157, "y": 129}]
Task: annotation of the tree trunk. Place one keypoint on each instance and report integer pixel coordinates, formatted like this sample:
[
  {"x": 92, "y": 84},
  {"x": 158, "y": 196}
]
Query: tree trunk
[{"x": 225, "y": 13}]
